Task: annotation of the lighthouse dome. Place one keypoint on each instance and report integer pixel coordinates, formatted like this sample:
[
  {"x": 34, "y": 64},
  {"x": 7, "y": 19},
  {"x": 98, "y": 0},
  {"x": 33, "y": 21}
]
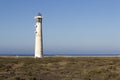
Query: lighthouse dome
[{"x": 39, "y": 14}]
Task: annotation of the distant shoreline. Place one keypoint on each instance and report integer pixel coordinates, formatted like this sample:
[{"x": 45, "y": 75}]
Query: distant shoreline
[
  {"x": 66, "y": 54},
  {"x": 51, "y": 56}
]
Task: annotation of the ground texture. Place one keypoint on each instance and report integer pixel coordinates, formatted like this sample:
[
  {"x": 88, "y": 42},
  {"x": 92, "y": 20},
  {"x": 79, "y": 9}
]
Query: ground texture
[{"x": 60, "y": 68}]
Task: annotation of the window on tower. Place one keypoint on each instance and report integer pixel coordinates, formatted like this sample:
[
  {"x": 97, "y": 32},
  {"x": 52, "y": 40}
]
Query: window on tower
[{"x": 38, "y": 19}]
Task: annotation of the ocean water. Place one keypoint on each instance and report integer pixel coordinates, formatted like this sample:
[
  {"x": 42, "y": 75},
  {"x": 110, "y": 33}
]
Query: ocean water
[{"x": 66, "y": 54}]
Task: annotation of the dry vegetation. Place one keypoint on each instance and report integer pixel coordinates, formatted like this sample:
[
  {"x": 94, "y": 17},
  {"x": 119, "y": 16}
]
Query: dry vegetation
[{"x": 60, "y": 68}]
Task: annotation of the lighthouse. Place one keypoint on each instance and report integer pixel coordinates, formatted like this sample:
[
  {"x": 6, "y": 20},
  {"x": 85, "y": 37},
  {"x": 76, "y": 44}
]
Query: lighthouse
[{"x": 38, "y": 37}]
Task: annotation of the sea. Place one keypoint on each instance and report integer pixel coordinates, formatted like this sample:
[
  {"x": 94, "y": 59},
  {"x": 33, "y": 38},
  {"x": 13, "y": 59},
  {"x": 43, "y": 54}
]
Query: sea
[{"x": 65, "y": 54}]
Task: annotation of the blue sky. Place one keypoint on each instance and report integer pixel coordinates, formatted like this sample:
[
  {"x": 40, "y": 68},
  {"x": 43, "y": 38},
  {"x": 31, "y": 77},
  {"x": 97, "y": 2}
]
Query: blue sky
[{"x": 68, "y": 25}]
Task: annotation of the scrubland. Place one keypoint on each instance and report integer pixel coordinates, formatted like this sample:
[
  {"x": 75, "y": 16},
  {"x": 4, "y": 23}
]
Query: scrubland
[{"x": 60, "y": 68}]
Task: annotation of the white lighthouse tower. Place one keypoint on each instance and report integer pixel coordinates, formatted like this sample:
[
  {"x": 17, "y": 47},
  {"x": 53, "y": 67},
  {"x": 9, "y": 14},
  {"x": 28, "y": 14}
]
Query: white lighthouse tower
[{"x": 38, "y": 37}]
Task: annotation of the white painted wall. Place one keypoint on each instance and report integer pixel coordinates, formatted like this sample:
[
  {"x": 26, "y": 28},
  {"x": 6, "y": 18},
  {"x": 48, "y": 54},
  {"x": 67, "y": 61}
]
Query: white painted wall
[{"x": 38, "y": 39}]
